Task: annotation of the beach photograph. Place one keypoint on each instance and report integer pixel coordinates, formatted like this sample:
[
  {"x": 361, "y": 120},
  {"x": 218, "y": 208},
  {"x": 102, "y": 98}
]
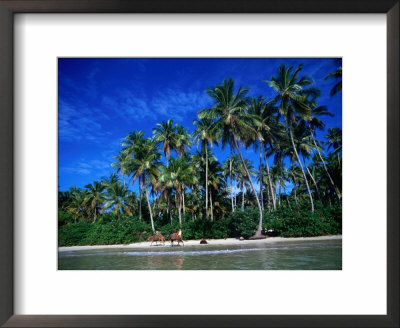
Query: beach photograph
[{"x": 199, "y": 163}]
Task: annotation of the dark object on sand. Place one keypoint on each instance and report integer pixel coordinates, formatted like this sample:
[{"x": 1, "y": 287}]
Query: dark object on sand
[{"x": 203, "y": 241}]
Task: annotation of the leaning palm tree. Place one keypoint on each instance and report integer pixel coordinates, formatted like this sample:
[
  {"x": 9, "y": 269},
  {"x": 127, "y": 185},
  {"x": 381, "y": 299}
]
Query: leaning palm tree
[
  {"x": 95, "y": 196},
  {"x": 334, "y": 140},
  {"x": 293, "y": 103},
  {"x": 234, "y": 124},
  {"x": 336, "y": 75},
  {"x": 205, "y": 135},
  {"x": 314, "y": 124}
]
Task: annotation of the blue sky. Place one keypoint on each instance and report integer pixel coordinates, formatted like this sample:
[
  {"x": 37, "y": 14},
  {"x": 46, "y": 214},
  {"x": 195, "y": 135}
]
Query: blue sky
[{"x": 101, "y": 100}]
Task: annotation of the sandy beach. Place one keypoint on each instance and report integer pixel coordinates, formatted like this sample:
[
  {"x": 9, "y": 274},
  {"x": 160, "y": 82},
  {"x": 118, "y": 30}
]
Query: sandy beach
[{"x": 227, "y": 242}]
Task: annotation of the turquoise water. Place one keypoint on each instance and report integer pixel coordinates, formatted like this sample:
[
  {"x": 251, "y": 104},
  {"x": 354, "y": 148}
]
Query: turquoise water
[{"x": 282, "y": 255}]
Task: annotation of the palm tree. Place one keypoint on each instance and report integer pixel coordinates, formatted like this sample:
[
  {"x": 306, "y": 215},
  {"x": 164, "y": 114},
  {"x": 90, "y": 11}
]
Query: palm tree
[
  {"x": 205, "y": 135},
  {"x": 182, "y": 140},
  {"x": 166, "y": 134},
  {"x": 116, "y": 199},
  {"x": 75, "y": 203},
  {"x": 231, "y": 170},
  {"x": 336, "y": 75},
  {"x": 129, "y": 145},
  {"x": 144, "y": 168},
  {"x": 95, "y": 196},
  {"x": 234, "y": 123},
  {"x": 316, "y": 123},
  {"x": 267, "y": 127},
  {"x": 177, "y": 174},
  {"x": 293, "y": 102},
  {"x": 334, "y": 138},
  {"x": 121, "y": 164}
]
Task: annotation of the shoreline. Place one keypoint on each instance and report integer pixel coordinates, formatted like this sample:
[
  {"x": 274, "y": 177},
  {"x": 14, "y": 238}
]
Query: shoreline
[{"x": 196, "y": 242}]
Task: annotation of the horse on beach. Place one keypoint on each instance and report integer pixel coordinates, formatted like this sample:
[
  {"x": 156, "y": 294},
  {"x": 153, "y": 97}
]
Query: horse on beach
[
  {"x": 156, "y": 238},
  {"x": 175, "y": 237}
]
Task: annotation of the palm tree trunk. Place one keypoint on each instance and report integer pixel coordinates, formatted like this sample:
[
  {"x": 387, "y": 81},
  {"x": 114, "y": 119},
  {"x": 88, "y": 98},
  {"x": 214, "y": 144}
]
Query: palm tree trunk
[
  {"x": 258, "y": 232},
  {"x": 206, "y": 183},
  {"x": 326, "y": 169},
  {"x": 268, "y": 199},
  {"x": 183, "y": 201},
  {"x": 95, "y": 208},
  {"x": 211, "y": 207},
  {"x": 242, "y": 196},
  {"x": 269, "y": 177},
  {"x": 261, "y": 182},
  {"x": 302, "y": 170},
  {"x": 230, "y": 178},
  {"x": 151, "y": 214},
  {"x": 178, "y": 203},
  {"x": 235, "y": 200},
  {"x": 315, "y": 183},
  {"x": 140, "y": 202}
]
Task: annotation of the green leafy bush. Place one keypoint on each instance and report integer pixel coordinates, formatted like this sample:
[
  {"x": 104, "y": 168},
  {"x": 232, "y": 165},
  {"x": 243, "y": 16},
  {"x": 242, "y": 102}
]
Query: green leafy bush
[{"x": 243, "y": 223}]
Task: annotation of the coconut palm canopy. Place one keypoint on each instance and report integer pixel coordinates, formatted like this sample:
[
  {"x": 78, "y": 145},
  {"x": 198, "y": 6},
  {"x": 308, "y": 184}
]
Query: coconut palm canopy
[{"x": 101, "y": 101}]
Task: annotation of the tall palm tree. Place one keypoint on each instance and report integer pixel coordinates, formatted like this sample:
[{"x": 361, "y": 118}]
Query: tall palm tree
[
  {"x": 293, "y": 103},
  {"x": 267, "y": 127},
  {"x": 336, "y": 75},
  {"x": 95, "y": 196},
  {"x": 205, "y": 135},
  {"x": 129, "y": 145},
  {"x": 234, "y": 123},
  {"x": 166, "y": 134},
  {"x": 144, "y": 168},
  {"x": 178, "y": 173},
  {"x": 314, "y": 124}
]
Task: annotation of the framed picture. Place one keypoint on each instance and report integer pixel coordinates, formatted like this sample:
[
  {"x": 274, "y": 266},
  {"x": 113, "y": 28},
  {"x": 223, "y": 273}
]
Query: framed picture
[{"x": 38, "y": 284}]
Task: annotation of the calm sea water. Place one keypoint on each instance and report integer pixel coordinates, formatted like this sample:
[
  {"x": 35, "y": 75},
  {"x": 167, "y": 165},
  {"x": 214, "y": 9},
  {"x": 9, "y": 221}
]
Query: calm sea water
[{"x": 282, "y": 255}]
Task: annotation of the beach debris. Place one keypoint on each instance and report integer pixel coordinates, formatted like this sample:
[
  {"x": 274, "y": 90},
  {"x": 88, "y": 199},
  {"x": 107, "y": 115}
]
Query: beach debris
[
  {"x": 203, "y": 241},
  {"x": 241, "y": 238}
]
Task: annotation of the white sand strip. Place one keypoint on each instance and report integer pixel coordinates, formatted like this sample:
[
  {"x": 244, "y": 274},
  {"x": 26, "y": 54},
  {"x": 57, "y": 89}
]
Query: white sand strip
[{"x": 227, "y": 242}]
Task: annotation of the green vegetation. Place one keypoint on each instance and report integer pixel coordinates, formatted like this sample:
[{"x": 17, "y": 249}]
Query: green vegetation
[{"x": 299, "y": 195}]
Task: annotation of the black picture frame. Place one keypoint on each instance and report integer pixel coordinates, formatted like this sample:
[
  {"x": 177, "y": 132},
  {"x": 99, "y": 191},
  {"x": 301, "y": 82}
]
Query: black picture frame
[{"x": 7, "y": 202}]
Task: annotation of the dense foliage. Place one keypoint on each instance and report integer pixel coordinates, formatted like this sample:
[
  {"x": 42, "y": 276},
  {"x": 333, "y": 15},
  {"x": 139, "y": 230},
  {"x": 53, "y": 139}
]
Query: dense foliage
[
  {"x": 282, "y": 222},
  {"x": 183, "y": 186}
]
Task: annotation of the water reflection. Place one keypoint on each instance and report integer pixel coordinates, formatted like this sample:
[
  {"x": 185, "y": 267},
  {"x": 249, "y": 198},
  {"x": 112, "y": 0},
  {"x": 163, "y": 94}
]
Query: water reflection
[{"x": 293, "y": 255}]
